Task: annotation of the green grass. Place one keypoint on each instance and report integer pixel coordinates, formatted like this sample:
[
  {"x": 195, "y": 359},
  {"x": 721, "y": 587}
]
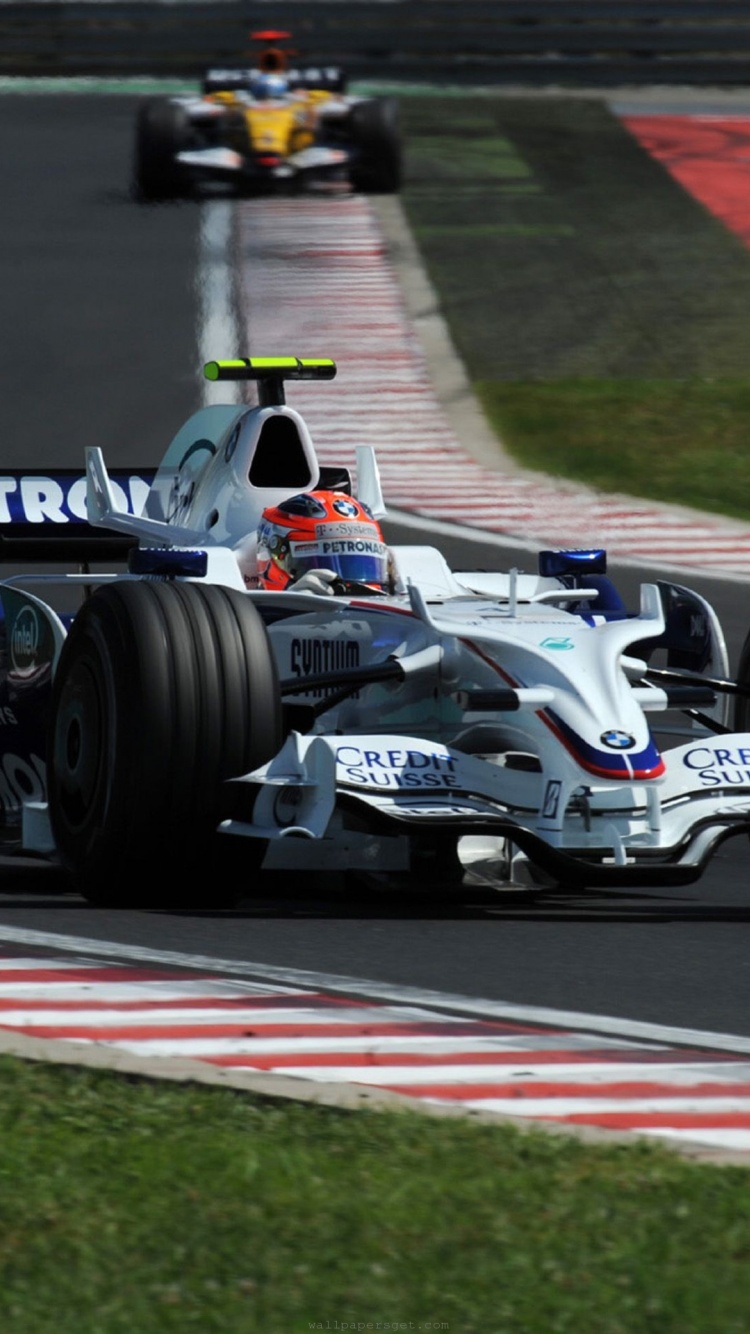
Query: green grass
[
  {"x": 684, "y": 442},
  {"x": 602, "y": 314},
  {"x": 135, "y": 1207}
]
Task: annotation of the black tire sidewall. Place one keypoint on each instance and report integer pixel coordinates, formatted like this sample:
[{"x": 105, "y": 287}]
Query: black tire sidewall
[
  {"x": 375, "y": 134},
  {"x": 175, "y": 687},
  {"x": 162, "y": 131}
]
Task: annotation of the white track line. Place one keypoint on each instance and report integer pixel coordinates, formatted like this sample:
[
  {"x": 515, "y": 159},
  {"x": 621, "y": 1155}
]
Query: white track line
[{"x": 217, "y": 322}]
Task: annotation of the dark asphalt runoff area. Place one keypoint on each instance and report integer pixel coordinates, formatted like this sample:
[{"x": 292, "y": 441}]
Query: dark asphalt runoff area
[{"x": 99, "y": 347}]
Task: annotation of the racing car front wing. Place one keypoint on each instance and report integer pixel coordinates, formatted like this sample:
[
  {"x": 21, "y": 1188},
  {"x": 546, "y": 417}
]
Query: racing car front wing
[{"x": 319, "y": 789}]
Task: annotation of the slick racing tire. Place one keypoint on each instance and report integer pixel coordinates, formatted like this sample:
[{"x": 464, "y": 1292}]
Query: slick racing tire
[
  {"x": 376, "y": 140},
  {"x": 162, "y": 691},
  {"x": 162, "y": 130}
]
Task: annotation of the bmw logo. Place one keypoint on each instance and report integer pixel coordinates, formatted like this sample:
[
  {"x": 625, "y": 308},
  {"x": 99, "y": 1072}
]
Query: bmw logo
[
  {"x": 617, "y": 740},
  {"x": 345, "y": 507}
]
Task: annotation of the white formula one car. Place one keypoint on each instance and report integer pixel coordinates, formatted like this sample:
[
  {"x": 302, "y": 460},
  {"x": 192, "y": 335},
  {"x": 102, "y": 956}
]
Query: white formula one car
[{"x": 179, "y": 733}]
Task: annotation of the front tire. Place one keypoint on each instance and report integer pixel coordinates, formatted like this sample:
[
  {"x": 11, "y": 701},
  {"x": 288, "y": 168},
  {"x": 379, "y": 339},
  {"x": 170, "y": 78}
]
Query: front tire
[
  {"x": 162, "y": 131},
  {"x": 376, "y": 139},
  {"x": 163, "y": 691}
]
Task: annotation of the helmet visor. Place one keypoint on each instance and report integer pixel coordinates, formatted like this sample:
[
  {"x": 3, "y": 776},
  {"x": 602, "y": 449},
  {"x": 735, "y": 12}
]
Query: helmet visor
[{"x": 356, "y": 560}]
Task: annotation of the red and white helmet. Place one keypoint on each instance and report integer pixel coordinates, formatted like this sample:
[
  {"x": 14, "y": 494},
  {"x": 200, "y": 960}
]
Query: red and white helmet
[{"x": 321, "y": 530}]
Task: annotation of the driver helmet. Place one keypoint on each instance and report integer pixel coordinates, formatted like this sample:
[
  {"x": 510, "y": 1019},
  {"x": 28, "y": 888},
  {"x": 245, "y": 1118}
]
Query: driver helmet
[
  {"x": 321, "y": 530},
  {"x": 268, "y": 87}
]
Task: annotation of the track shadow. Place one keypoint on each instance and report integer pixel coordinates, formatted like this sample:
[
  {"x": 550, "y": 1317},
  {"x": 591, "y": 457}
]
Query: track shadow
[
  {"x": 29, "y": 882},
  {"x": 31, "y": 875},
  {"x": 286, "y": 901}
]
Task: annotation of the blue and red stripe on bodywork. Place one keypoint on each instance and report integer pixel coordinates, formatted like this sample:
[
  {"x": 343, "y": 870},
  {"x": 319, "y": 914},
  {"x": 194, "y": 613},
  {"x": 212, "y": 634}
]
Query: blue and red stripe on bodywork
[{"x": 622, "y": 765}]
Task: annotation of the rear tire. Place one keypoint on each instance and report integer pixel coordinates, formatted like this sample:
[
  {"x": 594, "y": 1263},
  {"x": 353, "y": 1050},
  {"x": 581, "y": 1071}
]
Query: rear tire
[
  {"x": 162, "y": 131},
  {"x": 376, "y": 139},
  {"x": 163, "y": 691}
]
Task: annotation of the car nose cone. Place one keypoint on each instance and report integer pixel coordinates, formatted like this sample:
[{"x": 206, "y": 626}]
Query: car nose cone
[{"x": 617, "y": 740}]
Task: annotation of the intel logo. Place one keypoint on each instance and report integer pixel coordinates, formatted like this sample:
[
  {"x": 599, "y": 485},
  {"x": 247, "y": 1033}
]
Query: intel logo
[{"x": 24, "y": 642}]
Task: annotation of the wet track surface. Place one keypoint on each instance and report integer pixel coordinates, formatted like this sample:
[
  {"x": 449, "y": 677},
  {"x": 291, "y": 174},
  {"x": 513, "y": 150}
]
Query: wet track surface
[{"x": 99, "y": 346}]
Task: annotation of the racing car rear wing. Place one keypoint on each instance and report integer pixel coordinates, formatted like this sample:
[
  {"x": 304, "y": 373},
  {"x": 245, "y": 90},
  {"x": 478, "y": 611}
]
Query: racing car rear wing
[
  {"x": 274, "y": 58},
  {"x": 328, "y": 79},
  {"x": 43, "y": 516}
]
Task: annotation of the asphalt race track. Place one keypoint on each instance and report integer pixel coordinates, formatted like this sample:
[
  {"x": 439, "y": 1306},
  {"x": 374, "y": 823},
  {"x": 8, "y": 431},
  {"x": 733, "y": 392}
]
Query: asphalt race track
[{"x": 99, "y": 347}]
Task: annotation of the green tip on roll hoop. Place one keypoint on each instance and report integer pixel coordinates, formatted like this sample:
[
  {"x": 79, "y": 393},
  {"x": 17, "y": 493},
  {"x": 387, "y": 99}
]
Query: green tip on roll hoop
[{"x": 259, "y": 368}]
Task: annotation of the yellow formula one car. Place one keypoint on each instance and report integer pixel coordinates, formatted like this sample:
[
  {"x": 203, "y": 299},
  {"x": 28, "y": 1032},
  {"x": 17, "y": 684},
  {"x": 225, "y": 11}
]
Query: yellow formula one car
[{"x": 267, "y": 128}]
